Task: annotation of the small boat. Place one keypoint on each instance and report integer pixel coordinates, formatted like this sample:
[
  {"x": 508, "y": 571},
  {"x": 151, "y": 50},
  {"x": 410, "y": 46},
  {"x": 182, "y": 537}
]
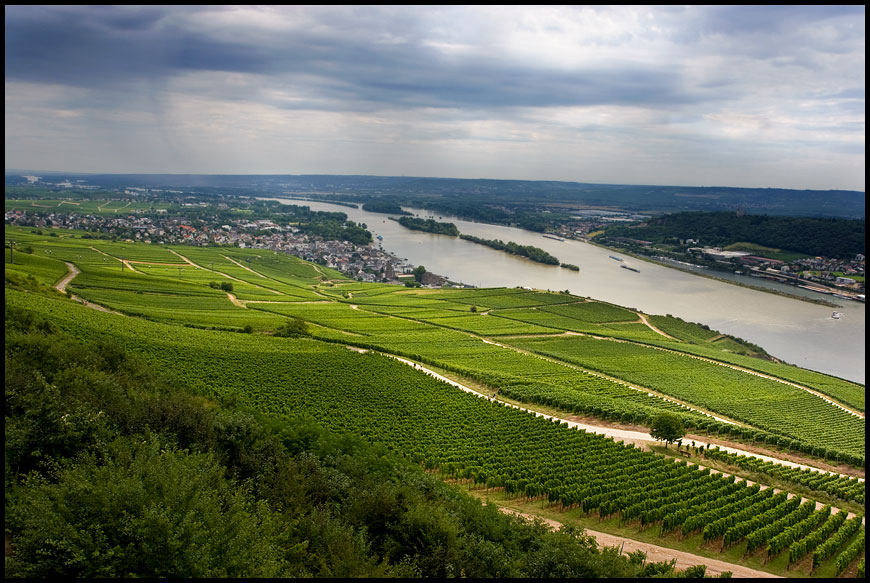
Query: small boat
[
  {"x": 616, "y": 258},
  {"x": 836, "y": 315},
  {"x": 629, "y": 268}
]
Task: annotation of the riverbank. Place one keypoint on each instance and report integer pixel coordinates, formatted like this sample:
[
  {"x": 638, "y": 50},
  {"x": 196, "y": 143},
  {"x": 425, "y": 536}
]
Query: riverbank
[
  {"x": 801, "y": 333},
  {"x": 818, "y": 301}
]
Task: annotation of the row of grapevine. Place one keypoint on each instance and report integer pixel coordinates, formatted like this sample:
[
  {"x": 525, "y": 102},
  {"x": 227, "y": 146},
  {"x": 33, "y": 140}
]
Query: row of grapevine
[
  {"x": 830, "y": 546},
  {"x": 844, "y": 487},
  {"x": 849, "y": 554},
  {"x": 758, "y": 534},
  {"x": 799, "y": 549},
  {"x": 795, "y": 532}
]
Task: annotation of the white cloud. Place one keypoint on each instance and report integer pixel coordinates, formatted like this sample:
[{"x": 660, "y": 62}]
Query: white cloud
[{"x": 708, "y": 95}]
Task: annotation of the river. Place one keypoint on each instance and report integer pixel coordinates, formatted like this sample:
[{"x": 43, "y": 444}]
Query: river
[{"x": 795, "y": 331}]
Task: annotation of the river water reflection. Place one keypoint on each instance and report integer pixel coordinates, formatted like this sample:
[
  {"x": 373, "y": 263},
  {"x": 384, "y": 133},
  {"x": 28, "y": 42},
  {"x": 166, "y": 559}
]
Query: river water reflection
[{"x": 797, "y": 332}]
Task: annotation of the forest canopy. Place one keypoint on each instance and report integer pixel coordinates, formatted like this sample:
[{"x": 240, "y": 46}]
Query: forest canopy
[{"x": 841, "y": 238}]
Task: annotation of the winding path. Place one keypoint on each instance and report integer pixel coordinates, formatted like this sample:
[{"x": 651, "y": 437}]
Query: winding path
[
  {"x": 61, "y": 287},
  {"x": 653, "y": 328},
  {"x": 73, "y": 271}
]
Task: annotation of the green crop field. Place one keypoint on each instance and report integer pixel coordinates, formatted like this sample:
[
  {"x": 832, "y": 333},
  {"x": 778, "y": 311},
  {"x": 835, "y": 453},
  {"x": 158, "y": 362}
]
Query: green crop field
[
  {"x": 182, "y": 308},
  {"x": 763, "y": 403},
  {"x": 435, "y": 326},
  {"x": 468, "y": 438}
]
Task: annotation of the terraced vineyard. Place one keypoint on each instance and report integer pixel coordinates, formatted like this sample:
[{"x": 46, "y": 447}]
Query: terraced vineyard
[
  {"x": 462, "y": 436},
  {"x": 500, "y": 345},
  {"x": 266, "y": 285},
  {"x": 775, "y": 407}
]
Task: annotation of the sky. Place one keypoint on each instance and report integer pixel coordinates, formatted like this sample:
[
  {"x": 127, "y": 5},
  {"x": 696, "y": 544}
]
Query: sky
[{"x": 691, "y": 95}]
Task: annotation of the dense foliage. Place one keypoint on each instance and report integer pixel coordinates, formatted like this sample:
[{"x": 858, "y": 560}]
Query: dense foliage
[
  {"x": 111, "y": 471},
  {"x": 667, "y": 427},
  {"x": 830, "y": 237},
  {"x": 534, "y": 253},
  {"x": 386, "y": 206},
  {"x": 429, "y": 226}
]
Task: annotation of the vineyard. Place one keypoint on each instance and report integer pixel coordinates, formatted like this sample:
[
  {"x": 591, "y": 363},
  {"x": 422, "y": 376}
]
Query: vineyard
[{"x": 514, "y": 343}]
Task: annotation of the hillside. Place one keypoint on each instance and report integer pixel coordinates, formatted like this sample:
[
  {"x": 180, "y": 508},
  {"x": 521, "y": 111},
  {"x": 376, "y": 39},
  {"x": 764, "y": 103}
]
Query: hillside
[
  {"x": 810, "y": 236},
  {"x": 571, "y": 354}
]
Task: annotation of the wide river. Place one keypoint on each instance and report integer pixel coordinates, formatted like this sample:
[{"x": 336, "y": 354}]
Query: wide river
[{"x": 795, "y": 331}]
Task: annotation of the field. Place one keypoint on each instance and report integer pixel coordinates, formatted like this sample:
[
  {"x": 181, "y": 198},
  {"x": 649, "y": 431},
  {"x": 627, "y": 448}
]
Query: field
[
  {"x": 84, "y": 206},
  {"x": 570, "y": 354}
]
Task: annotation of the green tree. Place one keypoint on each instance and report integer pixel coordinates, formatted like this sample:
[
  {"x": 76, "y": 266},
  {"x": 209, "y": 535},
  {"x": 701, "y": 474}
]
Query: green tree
[
  {"x": 146, "y": 509},
  {"x": 293, "y": 327},
  {"x": 418, "y": 272},
  {"x": 667, "y": 427}
]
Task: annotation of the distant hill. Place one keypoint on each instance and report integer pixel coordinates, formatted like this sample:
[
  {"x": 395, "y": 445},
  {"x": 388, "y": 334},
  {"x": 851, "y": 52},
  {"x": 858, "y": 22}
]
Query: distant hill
[
  {"x": 523, "y": 193},
  {"x": 813, "y": 236}
]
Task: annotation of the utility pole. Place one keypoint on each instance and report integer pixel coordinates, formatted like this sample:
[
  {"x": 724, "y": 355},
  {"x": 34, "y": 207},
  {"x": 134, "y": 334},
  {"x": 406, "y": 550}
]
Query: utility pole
[{"x": 11, "y": 257}]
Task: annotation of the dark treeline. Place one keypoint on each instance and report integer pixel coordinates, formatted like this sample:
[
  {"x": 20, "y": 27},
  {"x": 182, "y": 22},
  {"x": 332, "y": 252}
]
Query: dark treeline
[
  {"x": 534, "y": 253},
  {"x": 429, "y": 226},
  {"x": 485, "y": 210},
  {"x": 383, "y": 205},
  {"x": 113, "y": 471},
  {"x": 841, "y": 238}
]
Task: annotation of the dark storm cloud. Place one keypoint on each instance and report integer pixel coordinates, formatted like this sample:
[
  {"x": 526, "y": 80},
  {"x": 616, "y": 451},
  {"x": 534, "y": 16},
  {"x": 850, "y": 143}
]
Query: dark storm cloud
[
  {"x": 110, "y": 47},
  {"x": 485, "y": 90}
]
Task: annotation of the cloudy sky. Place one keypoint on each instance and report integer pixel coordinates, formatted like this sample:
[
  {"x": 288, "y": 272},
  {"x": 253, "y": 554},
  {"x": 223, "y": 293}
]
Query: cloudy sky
[{"x": 733, "y": 96}]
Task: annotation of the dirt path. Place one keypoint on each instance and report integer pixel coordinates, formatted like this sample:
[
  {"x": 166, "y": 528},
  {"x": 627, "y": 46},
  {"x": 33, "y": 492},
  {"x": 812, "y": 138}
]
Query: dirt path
[
  {"x": 61, "y": 287},
  {"x": 222, "y": 274},
  {"x": 73, "y": 271},
  {"x": 639, "y": 438},
  {"x": 653, "y": 328},
  {"x": 244, "y": 267},
  {"x": 235, "y": 301},
  {"x": 655, "y": 553},
  {"x": 123, "y": 261}
]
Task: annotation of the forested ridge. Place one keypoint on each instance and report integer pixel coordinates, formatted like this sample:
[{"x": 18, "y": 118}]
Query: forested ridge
[{"x": 841, "y": 238}]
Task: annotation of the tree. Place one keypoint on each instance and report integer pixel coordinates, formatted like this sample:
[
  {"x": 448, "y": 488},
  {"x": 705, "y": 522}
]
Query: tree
[
  {"x": 667, "y": 427},
  {"x": 293, "y": 327},
  {"x": 418, "y": 272}
]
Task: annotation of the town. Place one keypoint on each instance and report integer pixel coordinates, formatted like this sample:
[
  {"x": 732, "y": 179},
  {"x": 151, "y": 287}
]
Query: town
[{"x": 365, "y": 262}]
